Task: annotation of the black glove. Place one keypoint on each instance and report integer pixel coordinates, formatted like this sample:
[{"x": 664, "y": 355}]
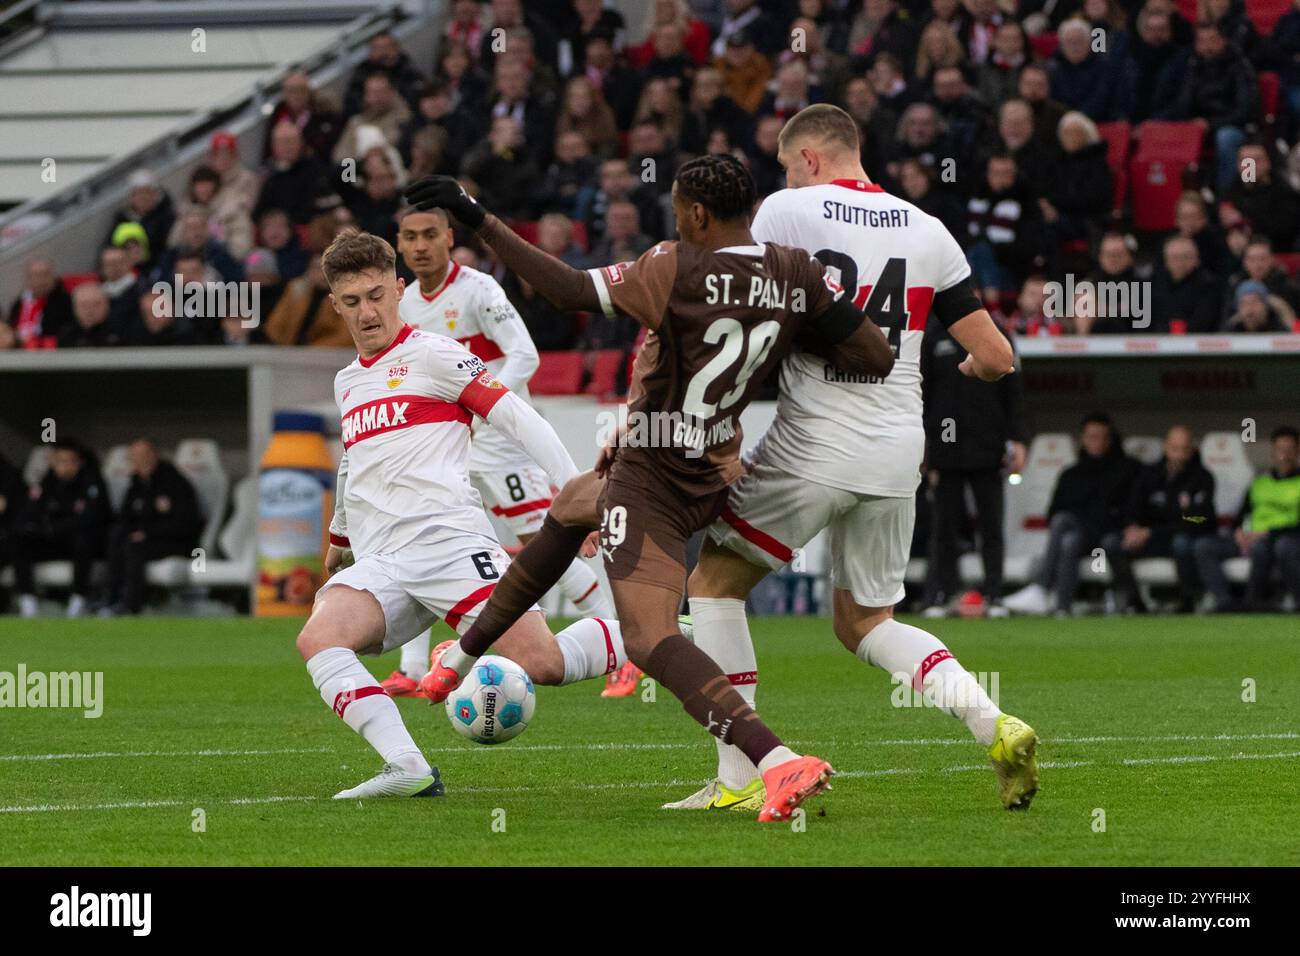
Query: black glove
[{"x": 444, "y": 192}]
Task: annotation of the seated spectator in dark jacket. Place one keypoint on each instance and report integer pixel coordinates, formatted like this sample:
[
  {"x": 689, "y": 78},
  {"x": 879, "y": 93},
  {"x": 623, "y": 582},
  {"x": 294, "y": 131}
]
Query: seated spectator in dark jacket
[
  {"x": 384, "y": 55},
  {"x": 1219, "y": 91},
  {"x": 517, "y": 98},
  {"x": 877, "y": 126},
  {"x": 883, "y": 26},
  {"x": 965, "y": 116},
  {"x": 623, "y": 240},
  {"x": 1035, "y": 158},
  {"x": 551, "y": 329},
  {"x": 1236, "y": 27},
  {"x": 708, "y": 108},
  {"x": 890, "y": 84},
  {"x": 649, "y": 149},
  {"x": 792, "y": 90},
  {"x": 1255, "y": 310},
  {"x": 922, "y": 136},
  {"x": 768, "y": 173},
  {"x": 1035, "y": 88},
  {"x": 376, "y": 203},
  {"x": 64, "y": 520},
  {"x": 296, "y": 181},
  {"x": 762, "y": 28},
  {"x": 43, "y": 309},
  {"x": 1092, "y": 83},
  {"x": 304, "y": 314},
  {"x": 310, "y": 111},
  {"x": 570, "y": 182},
  {"x": 1259, "y": 264},
  {"x": 150, "y": 206},
  {"x": 619, "y": 85},
  {"x": 617, "y": 184},
  {"x": 1266, "y": 530},
  {"x": 93, "y": 323},
  {"x": 439, "y": 120},
  {"x": 503, "y": 168},
  {"x": 120, "y": 284},
  {"x": 1003, "y": 229},
  {"x": 1088, "y": 501},
  {"x": 1114, "y": 259},
  {"x": 277, "y": 234},
  {"x": 193, "y": 237},
  {"x": 1172, "y": 505},
  {"x": 1266, "y": 202},
  {"x": 157, "y": 324},
  {"x": 1184, "y": 296},
  {"x": 262, "y": 272},
  {"x": 1192, "y": 219},
  {"x": 998, "y": 77},
  {"x": 1157, "y": 61},
  {"x": 1079, "y": 191},
  {"x": 159, "y": 518},
  {"x": 917, "y": 186}
]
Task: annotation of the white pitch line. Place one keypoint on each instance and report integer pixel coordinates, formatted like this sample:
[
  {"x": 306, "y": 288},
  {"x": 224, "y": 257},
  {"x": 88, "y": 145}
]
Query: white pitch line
[
  {"x": 100, "y": 754},
  {"x": 638, "y": 745},
  {"x": 630, "y": 785}
]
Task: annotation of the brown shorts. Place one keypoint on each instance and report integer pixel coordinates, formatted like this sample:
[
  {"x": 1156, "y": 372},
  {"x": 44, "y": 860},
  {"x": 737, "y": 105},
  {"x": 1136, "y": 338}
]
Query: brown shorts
[{"x": 645, "y": 523}]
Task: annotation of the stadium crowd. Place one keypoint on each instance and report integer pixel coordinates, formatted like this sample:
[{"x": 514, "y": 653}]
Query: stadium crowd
[{"x": 1000, "y": 118}]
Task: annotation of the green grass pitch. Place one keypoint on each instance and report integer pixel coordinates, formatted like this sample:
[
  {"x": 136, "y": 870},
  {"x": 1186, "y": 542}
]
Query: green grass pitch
[{"x": 1143, "y": 721}]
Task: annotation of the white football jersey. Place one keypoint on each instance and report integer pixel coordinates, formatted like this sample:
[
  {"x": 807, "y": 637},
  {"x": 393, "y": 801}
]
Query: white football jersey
[
  {"x": 406, "y": 417},
  {"x": 472, "y": 308},
  {"x": 856, "y": 432}
]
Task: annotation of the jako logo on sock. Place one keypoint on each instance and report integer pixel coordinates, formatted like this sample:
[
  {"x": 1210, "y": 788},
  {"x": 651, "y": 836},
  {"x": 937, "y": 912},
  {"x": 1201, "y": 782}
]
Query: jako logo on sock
[{"x": 74, "y": 909}]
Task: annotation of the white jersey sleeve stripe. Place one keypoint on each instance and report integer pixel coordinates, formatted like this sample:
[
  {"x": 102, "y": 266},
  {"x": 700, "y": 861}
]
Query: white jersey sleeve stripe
[{"x": 602, "y": 291}]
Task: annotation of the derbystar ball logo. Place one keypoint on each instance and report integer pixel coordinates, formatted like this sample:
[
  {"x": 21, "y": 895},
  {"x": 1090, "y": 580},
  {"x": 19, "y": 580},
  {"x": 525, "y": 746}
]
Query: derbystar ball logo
[{"x": 372, "y": 418}]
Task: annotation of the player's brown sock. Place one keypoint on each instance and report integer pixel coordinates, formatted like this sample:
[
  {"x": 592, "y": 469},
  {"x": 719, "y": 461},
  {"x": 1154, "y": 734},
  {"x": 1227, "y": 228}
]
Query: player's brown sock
[
  {"x": 531, "y": 574},
  {"x": 707, "y": 695}
]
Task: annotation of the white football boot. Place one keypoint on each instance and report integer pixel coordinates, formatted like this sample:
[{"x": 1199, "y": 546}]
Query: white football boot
[{"x": 393, "y": 781}]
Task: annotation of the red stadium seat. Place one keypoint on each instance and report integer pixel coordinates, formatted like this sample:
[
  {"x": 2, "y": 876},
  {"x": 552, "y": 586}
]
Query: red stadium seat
[
  {"x": 526, "y": 229},
  {"x": 74, "y": 279},
  {"x": 1290, "y": 261},
  {"x": 1118, "y": 137},
  {"x": 1188, "y": 10},
  {"x": 606, "y": 366},
  {"x": 1265, "y": 13},
  {"x": 1164, "y": 151},
  {"x": 580, "y": 235},
  {"x": 1161, "y": 139},
  {"x": 560, "y": 373},
  {"x": 1043, "y": 45}
]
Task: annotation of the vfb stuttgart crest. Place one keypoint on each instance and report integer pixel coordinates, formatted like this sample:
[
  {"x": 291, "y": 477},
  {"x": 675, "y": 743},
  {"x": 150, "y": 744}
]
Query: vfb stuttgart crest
[{"x": 396, "y": 374}]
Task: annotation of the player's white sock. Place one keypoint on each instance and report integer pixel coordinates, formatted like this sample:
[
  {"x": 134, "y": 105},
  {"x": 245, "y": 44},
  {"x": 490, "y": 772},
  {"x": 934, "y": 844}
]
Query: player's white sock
[
  {"x": 922, "y": 659},
  {"x": 778, "y": 755},
  {"x": 591, "y": 647},
  {"x": 415, "y": 656},
  {"x": 722, "y": 632},
  {"x": 348, "y": 688},
  {"x": 580, "y": 585},
  {"x": 456, "y": 658}
]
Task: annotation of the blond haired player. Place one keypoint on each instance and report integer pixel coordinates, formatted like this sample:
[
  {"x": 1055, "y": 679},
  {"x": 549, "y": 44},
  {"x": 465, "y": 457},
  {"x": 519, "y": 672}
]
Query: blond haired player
[
  {"x": 470, "y": 307},
  {"x": 421, "y": 544},
  {"x": 844, "y": 452}
]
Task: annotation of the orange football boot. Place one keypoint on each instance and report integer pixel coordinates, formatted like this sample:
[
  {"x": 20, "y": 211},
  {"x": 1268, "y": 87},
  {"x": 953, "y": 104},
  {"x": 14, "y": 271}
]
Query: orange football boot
[
  {"x": 791, "y": 783},
  {"x": 440, "y": 681},
  {"x": 622, "y": 682},
  {"x": 398, "y": 684}
]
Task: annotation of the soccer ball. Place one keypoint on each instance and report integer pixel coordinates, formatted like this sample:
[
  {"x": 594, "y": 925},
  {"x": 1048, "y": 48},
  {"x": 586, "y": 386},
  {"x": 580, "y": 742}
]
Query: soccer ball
[{"x": 494, "y": 703}]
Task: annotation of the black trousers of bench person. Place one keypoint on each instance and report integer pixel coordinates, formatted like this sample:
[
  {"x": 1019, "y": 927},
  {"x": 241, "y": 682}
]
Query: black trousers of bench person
[
  {"x": 949, "y": 517},
  {"x": 1179, "y": 546},
  {"x": 81, "y": 550},
  {"x": 127, "y": 560}
]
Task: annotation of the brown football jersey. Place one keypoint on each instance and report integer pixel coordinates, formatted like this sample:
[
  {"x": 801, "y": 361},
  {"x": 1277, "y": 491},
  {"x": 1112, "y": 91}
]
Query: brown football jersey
[{"x": 718, "y": 323}]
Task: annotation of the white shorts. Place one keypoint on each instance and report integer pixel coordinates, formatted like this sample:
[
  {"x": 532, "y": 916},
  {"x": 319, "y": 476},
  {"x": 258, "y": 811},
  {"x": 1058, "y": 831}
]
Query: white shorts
[
  {"x": 519, "y": 497},
  {"x": 415, "y": 587},
  {"x": 771, "y": 513}
]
